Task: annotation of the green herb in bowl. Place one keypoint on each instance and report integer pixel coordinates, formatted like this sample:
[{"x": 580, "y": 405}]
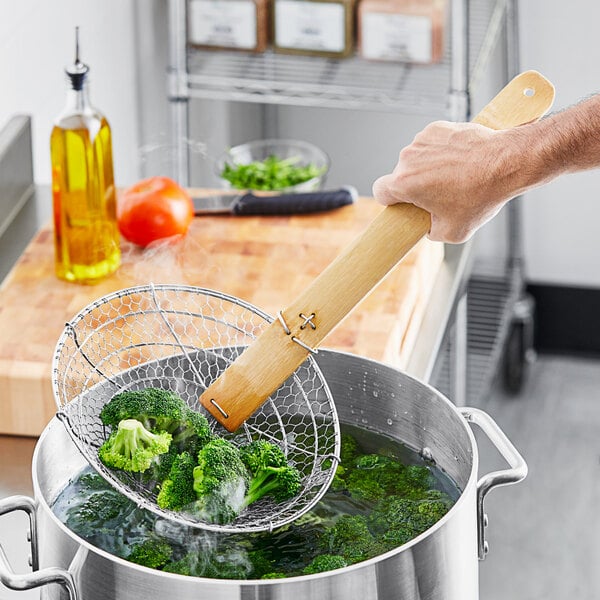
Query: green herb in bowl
[{"x": 272, "y": 173}]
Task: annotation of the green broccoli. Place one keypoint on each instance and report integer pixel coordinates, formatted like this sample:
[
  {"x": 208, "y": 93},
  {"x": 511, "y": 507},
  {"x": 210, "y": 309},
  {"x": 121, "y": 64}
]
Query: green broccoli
[
  {"x": 154, "y": 407},
  {"x": 260, "y": 563},
  {"x": 211, "y": 563},
  {"x": 274, "y": 575},
  {"x": 132, "y": 447},
  {"x": 220, "y": 481},
  {"x": 349, "y": 450},
  {"x": 161, "y": 468},
  {"x": 177, "y": 490},
  {"x": 376, "y": 476},
  {"x": 397, "y": 520},
  {"x": 350, "y": 538},
  {"x": 98, "y": 513},
  {"x": 259, "y": 453},
  {"x": 152, "y": 552},
  {"x": 159, "y": 410},
  {"x": 271, "y": 475},
  {"x": 338, "y": 483},
  {"x": 414, "y": 482},
  {"x": 92, "y": 482},
  {"x": 183, "y": 566},
  {"x": 325, "y": 562}
]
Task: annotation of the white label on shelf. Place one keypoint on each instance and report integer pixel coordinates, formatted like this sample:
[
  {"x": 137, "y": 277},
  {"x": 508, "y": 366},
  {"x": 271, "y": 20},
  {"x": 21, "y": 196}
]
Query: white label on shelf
[
  {"x": 224, "y": 23},
  {"x": 310, "y": 25},
  {"x": 386, "y": 36}
]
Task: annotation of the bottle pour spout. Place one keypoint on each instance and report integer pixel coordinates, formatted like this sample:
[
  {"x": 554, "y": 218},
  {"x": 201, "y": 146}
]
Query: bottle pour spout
[{"x": 78, "y": 71}]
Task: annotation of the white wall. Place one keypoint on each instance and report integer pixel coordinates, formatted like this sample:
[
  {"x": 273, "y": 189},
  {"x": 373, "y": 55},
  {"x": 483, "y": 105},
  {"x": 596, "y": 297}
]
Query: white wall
[
  {"x": 37, "y": 42},
  {"x": 560, "y": 39}
]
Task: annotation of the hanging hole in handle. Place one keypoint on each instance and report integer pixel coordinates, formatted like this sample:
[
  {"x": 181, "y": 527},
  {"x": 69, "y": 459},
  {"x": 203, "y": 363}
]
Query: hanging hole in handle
[{"x": 529, "y": 92}]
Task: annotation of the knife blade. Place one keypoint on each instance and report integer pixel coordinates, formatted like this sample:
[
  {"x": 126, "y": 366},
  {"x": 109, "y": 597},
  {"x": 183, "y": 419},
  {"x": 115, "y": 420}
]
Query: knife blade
[{"x": 247, "y": 203}]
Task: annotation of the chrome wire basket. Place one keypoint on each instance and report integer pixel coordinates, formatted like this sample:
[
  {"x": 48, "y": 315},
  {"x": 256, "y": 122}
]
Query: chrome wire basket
[{"x": 182, "y": 338}]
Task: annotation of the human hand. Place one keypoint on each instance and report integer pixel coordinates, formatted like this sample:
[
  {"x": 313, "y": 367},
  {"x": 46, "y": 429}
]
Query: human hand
[{"x": 461, "y": 173}]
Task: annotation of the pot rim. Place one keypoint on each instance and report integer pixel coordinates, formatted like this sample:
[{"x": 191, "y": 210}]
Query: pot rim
[{"x": 463, "y": 498}]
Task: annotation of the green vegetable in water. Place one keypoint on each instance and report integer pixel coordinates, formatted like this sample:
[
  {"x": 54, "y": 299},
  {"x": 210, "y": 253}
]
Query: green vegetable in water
[
  {"x": 272, "y": 173},
  {"x": 351, "y": 539},
  {"x": 153, "y": 553},
  {"x": 344, "y": 528},
  {"x": 325, "y": 562}
]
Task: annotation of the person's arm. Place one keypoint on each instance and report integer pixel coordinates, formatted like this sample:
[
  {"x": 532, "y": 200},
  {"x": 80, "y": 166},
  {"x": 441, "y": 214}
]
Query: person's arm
[{"x": 463, "y": 173}]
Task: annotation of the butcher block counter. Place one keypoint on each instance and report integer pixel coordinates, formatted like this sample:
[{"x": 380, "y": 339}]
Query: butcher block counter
[{"x": 266, "y": 261}]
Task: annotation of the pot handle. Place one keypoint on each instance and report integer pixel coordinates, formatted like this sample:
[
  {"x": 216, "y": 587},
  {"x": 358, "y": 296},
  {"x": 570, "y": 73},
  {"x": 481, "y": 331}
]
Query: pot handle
[
  {"x": 516, "y": 473},
  {"x": 37, "y": 577}
]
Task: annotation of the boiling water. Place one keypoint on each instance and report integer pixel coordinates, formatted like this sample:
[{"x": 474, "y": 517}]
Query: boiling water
[{"x": 232, "y": 556}]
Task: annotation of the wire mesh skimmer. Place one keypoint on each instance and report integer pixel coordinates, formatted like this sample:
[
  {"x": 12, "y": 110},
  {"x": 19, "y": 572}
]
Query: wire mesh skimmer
[{"x": 182, "y": 338}]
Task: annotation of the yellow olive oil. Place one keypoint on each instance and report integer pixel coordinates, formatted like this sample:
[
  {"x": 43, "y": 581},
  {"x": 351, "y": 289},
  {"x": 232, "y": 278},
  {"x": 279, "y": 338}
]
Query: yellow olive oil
[{"x": 86, "y": 234}]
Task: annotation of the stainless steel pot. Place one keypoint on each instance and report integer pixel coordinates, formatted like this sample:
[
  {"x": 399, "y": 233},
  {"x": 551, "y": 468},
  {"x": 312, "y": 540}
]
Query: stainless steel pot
[{"x": 440, "y": 564}]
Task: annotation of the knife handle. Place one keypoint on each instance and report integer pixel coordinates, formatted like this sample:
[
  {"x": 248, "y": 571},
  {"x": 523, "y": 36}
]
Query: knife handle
[{"x": 293, "y": 204}]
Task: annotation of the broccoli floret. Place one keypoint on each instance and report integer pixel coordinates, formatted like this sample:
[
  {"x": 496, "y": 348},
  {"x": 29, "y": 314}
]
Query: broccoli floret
[
  {"x": 220, "y": 481},
  {"x": 132, "y": 447},
  {"x": 177, "y": 490},
  {"x": 223, "y": 569},
  {"x": 349, "y": 450},
  {"x": 375, "y": 477},
  {"x": 159, "y": 410},
  {"x": 260, "y": 453},
  {"x": 153, "y": 553},
  {"x": 193, "y": 431},
  {"x": 325, "y": 562},
  {"x": 260, "y": 563},
  {"x": 350, "y": 538},
  {"x": 98, "y": 513},
  {"x": 413, "y": 482},
  {"x": 271, "y": 474},
  {"x": 92, "y": 482},
  {"x": 183, "y": 566},
  {"x": 274, "y": 575},
  {"x": 212, "y": 564},
  {"x": 161, "y": 468},
  {"x": 154, "y": 407},
  {"x": 397, "y": 520},
  {"x": 338, "y": 483}
]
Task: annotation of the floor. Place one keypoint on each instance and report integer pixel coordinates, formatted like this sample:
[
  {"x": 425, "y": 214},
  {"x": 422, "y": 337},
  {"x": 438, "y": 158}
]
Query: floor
[{"x": 543, "y": 533}]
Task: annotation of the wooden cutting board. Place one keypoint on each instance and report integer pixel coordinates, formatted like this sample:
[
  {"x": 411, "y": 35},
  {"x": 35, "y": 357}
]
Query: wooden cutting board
[{"x": 266, "y": 261}]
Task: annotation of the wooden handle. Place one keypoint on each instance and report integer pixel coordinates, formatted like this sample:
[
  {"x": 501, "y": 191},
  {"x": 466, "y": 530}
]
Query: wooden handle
[{"x": 243, "y": 387}]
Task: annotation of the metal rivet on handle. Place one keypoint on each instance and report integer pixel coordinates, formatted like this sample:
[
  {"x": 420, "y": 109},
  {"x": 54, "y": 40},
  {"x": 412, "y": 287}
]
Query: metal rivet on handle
[{"x": 215, "y": 404}]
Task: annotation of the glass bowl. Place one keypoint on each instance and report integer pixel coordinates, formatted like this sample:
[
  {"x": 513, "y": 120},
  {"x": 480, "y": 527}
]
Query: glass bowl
[{"x": 300, "y": 153}]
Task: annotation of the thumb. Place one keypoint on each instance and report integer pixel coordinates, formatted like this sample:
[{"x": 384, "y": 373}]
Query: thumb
[{"x": 384, "y": 191}]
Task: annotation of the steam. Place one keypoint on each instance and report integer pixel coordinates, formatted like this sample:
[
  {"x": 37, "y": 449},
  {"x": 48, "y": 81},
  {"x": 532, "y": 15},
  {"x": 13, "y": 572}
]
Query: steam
[
  {"x": 158, "y": 155},
  {"x": 174, "y": 260},
  {"x": 207, "y": 553}
]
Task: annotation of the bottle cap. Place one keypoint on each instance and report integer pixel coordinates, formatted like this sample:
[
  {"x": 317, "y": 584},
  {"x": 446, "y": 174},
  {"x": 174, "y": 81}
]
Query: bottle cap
[{"x": 78, "y": 71}]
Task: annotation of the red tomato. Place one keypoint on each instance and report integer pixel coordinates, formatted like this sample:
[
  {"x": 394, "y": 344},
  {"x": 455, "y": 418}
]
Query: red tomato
[{"x": 152, "y": 209}]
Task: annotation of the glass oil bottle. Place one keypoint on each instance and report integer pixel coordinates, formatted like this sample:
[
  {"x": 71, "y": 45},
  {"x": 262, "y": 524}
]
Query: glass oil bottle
[{"x": 86, "y": 234}]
